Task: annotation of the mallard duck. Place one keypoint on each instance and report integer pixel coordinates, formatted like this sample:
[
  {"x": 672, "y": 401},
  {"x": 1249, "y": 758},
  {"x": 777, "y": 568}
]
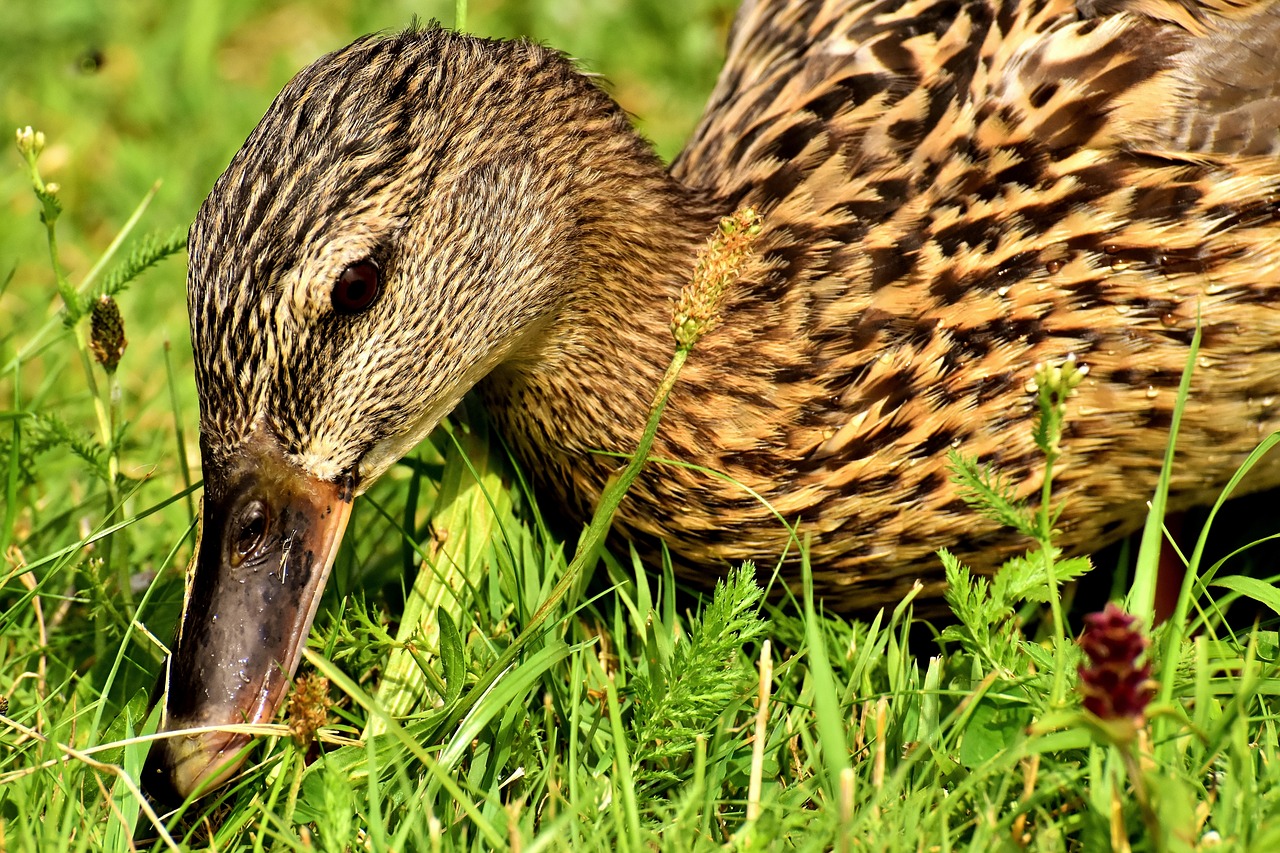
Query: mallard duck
[{"x": 952, "y": 191}]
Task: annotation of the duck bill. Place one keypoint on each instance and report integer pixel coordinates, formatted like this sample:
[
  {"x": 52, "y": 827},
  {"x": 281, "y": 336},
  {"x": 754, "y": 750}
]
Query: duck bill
[{"x": 269, "y": 534}]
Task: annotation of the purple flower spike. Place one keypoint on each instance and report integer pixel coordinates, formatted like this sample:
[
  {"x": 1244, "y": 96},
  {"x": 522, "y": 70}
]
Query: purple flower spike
[{"x": 1114, "y": 686}]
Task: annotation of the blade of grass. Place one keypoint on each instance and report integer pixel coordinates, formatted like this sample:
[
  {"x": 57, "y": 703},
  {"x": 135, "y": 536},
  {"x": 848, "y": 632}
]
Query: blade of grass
[
  {"x": 471, "y": 503},
  {"x": 1142, "y": 595},
  {"x": 624, "y": 779},
  {"x": 830, "y": 722},
  {"x": 11, "y": 474},
  {"x": 492, "y": 836}
]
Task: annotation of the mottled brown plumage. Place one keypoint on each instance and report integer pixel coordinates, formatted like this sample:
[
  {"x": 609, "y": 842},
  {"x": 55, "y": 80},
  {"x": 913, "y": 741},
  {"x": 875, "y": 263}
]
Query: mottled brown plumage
[{"x": 952, "y": 192}]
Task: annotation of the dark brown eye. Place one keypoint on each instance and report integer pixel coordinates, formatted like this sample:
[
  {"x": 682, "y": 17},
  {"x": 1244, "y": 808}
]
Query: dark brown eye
[
  {"x": 357, "y": 288},
  {"x": 251, "y": 532}
]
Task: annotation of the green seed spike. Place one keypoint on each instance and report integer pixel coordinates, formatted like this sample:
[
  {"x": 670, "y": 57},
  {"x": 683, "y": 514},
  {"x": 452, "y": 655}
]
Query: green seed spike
[{"x": 719, "y": 264}]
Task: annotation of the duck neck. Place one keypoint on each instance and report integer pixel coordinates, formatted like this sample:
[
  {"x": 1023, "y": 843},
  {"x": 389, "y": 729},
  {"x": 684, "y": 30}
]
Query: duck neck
[{"x": 585, "y": 381}]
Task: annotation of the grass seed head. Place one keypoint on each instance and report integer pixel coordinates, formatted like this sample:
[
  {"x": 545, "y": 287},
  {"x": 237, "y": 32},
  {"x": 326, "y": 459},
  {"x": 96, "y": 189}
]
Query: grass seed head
[
  {"x": 106, "y": 333},
  {"x": 308, "y": 708},
  {"x": 719, "y": 264}
]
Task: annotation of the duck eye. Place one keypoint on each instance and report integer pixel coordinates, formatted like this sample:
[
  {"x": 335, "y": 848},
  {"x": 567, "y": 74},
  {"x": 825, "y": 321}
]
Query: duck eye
[
  {"x": 357, "y": 288},
  {"x": 251, "y": 532}
]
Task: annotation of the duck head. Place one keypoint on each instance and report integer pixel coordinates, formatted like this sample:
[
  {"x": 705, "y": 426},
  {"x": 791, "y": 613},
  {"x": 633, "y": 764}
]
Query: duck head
[{"x": 409, "y": 214}]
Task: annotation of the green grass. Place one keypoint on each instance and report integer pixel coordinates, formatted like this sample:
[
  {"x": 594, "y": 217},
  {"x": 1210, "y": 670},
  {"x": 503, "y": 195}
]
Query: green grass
[{"x": 487, "y": 691}]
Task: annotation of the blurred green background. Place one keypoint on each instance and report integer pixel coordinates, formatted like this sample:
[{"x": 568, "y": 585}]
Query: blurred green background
[{"x": 134, "y": 92}]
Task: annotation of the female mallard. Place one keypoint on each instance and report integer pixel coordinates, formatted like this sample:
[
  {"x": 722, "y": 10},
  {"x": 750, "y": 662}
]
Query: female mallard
[{"x": 952, "y": 190}]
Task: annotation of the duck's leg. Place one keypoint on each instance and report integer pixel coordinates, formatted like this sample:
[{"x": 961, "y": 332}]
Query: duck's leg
[{"x": 268, "y": 538}]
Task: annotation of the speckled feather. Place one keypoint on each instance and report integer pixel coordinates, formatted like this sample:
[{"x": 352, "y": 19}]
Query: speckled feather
[{"x": 952, "y": 192}]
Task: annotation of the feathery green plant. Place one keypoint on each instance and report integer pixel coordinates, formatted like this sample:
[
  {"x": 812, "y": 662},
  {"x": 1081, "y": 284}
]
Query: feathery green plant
[
  {"x": 675, "y": 701},
  {"x": 104, "y": 344},
  {"x": 987, "y": 610}
]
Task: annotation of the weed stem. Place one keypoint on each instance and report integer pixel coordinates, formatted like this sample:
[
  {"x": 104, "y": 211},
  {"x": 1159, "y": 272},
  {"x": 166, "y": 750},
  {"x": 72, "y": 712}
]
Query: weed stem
[{"x": 30, "y": 144}]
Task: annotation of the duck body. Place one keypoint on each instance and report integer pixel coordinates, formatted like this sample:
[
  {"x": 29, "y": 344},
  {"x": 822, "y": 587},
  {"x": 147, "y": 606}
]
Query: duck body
[{"x": 952, "y": 192}]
